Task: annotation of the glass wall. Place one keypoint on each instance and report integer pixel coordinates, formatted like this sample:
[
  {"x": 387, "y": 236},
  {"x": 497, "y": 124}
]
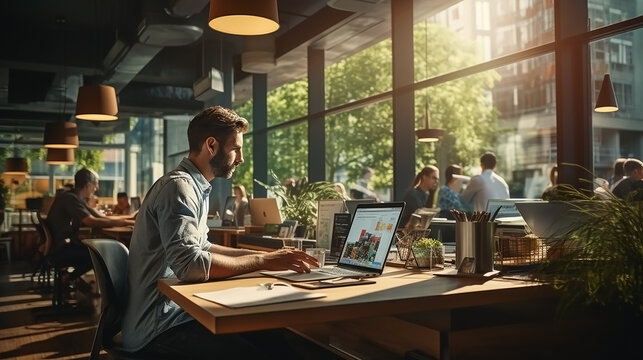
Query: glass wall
[
  {"x": 358, "y": 139},
  {"x": 618, "y": 134}
]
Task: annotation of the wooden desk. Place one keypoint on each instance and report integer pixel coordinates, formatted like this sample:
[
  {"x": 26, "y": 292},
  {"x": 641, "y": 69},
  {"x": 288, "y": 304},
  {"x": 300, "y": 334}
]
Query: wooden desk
[
  {"x": 227, "y": 234},
  {"x": 418, "y": 311},
  {"x": 120, "y": 233}
]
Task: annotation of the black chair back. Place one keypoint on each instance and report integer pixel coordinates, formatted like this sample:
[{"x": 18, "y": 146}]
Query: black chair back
[{"x": 109, "y": 258}]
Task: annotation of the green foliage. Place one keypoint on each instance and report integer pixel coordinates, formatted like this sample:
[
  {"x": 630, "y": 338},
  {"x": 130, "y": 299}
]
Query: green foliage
[
  {"x": 424, "y": 246},
  {"x": 300, "y": 202},
  {"x": 362, "y": 137},
  {"x": 91, "y": 159},
  {"x": 600, "y": 260},
  {"x": 4, "y": 195}
]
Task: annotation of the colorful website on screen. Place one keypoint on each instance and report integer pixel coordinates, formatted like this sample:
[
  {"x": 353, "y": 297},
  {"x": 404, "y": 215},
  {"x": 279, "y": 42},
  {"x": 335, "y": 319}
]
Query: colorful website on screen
[{"x": 370, "y": 237}]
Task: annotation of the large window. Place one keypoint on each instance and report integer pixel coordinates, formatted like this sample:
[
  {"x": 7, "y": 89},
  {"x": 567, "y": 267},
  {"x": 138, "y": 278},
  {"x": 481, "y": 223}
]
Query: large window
[
  {"x": 358, "y": 139},
  {"x": 618, "y": 134}
]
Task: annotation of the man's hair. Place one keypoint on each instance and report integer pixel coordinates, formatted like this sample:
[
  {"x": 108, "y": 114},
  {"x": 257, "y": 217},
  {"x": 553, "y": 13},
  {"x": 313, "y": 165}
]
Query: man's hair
[
  {"x": 631, "y": 165},
  {"x": 452, "y": 169},
  {"x": 83, "y": 177},
  {"x": 217, "y": 122},
  {"x": 366, "y": 170},
  {"x": 488, "y": 160},
  {"x": 618, "y": 167},
  {"x": 121, "y": 194}
]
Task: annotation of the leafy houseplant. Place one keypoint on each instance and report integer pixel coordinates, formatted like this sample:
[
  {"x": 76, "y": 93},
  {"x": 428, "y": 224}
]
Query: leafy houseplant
[
  {"x": 428, "y": 252},
  {"x": 599, "y": 261},
  {"x": 299, "y": 202}
]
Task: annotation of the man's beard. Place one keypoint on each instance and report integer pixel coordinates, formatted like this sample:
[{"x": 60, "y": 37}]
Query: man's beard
[{"x": 219, "y": 166}]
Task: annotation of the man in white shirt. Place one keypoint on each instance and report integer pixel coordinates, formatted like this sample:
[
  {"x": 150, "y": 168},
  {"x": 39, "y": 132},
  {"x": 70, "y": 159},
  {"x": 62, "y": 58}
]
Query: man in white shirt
[{"x": 485, "y": 186}]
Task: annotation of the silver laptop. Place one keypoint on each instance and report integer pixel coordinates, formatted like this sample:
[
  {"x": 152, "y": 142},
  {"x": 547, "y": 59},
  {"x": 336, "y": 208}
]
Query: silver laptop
[
  {"x": 364, "y": 253},
  {"x": 264, "y": 211},
  {"x": 549, "y": 220}
]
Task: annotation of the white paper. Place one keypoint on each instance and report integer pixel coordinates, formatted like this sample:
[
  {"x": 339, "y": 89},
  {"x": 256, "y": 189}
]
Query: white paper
[{"x": 257, "y": 295}]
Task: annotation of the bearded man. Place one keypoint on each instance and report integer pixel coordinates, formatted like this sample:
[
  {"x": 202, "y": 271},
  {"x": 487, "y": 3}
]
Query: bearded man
[{"x": 170, "y": 239}]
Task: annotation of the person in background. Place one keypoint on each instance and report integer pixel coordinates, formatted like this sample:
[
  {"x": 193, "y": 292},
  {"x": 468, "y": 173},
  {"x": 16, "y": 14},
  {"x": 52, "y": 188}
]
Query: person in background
[
  {"x": 417, "y": 196},
  {"x": 553, "y": 181},
  {"x": 633, "y": 169},
  {"x": 449, "y": 195},
  {"x": 170, "y": 240},
  {"x": 240, "y": 204},
  {"x": 67, "y": 214},
  {"x": 618, "y": 173},
  {"x": 122, "y": 206},
  {"x": 487, "y": 185},
  {"x": 341, "y": 190},
  {"x": 362, "y": 189}
]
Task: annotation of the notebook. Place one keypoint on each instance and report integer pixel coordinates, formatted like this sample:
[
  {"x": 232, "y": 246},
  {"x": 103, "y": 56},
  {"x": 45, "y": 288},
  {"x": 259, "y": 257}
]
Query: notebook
[
  {"x": 364, "y": 252},
  {"x": 264, "y": 211}
]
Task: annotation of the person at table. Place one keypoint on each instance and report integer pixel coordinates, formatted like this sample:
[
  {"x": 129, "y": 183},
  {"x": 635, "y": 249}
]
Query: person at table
[
  {"x": 240, "y": 204},
  {"x": 417, "y": 196},
  {"x": 487, "y": 185},
  {"x": 122, "y": 206},
  {"x": 633, "y": 169},
  {"x": 449, "y": 196},
  {"x": 70, "y": 211},
  {"x": 170, "y": 241}
]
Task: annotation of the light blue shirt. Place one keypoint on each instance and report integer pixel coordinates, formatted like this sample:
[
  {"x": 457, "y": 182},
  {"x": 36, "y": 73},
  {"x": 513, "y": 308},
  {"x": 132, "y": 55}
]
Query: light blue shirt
[{"x": 170, "y": 239}]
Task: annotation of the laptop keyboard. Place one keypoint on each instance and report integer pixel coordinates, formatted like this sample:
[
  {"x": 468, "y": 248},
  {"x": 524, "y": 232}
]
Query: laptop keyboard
[{"x": 341, "y": 272}]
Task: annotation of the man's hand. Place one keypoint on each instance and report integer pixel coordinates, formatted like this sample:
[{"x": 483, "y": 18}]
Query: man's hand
[{"x": 287, "y": 259}]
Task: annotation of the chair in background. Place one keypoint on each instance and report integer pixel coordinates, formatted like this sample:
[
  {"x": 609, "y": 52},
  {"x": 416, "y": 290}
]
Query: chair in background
[
  {"x": 109, "y": 258},
  {"x": 41, "y": 267},
  {"x": 52, "y": 265}
]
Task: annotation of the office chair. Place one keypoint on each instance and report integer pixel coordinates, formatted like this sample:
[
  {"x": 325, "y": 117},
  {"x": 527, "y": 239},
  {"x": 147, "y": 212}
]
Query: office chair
[{"x": 109, "y": 258}]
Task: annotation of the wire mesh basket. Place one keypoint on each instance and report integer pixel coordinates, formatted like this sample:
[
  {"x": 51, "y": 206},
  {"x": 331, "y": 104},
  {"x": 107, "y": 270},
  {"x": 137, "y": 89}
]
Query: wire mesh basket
[{"x": 519, "y": 251}]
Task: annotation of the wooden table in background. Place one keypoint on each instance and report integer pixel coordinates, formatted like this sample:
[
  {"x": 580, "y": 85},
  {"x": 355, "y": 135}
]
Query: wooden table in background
[
  {"x": 120, "y": 233},
  {"x": 226, "y": 234}
]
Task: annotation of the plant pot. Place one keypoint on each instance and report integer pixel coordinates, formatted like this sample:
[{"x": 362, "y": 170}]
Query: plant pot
[{"x": 430, "y": 259}]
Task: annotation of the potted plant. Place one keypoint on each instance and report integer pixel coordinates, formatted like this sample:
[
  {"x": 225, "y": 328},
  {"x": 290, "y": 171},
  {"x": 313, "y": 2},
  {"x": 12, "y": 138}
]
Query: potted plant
[
  {"x": 428, "y": 252},
  {"x": 299, "y": 201},
  {"x": 599, "y": 261}
]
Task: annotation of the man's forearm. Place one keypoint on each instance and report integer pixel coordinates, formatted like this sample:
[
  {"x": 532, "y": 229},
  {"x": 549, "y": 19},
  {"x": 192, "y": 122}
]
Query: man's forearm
[
  {"x": 223, "y": 266},
  {"x": 224, "y": 250}
]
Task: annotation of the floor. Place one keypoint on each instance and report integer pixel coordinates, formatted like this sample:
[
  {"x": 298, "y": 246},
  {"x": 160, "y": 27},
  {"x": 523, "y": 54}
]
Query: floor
[{"x": 31, "y": 329}]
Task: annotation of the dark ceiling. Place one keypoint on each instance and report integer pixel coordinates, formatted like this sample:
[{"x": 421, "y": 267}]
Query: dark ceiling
[{"x": 152, "y": 51}]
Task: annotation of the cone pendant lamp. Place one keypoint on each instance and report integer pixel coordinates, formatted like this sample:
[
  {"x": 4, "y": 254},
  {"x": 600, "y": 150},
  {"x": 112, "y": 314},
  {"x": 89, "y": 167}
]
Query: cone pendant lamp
[
  {"x": 606, "y": 101},
  {"x": 96, "y": 103},
  {"x": 428, "y": 134}
]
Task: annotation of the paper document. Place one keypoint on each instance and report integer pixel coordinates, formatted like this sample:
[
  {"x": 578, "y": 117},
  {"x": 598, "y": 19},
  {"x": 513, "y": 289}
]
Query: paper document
[{"x": 262, "y": 294}]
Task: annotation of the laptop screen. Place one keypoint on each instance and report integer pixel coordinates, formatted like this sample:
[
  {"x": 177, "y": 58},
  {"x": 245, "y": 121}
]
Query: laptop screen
[
  {"x": 507, "y": 207},
  {"x": 264, "y": 211},
  {"x": 371, "y": 234}
]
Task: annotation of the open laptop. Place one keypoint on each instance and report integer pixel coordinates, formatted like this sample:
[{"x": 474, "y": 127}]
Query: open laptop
[
  {"x": 549, "y": 219},
  {"x": 507, "y": 207},
  {"x": 351, "y": 205},
  {"x": 264, "y": 211},
  {"x": 366, "y": 248}
]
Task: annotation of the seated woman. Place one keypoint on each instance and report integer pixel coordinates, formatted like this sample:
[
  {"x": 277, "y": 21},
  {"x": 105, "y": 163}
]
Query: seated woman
[{"x": 449, "y": 195}]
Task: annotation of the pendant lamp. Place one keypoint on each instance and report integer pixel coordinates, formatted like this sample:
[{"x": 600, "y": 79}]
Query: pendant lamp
[
  {"x": 61, "y": 135},
  {"x": 60, "y": 156},
  {"x": 96, "y": 103},
  {"x": 427, "y": 134},
  {"x": 16, "y": 166},
  {"x": 606, "y": 101},
  {"x": 244, "y": 17}
]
